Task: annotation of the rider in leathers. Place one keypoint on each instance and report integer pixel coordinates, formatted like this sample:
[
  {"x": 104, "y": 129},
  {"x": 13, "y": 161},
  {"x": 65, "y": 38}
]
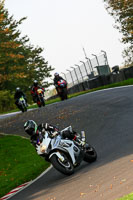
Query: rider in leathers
[
  {"x": 57, "y": 78},
  {"x": 18, "y": 94},
  {"x": 36, "y": 132},
  {"x": 34, "y": 89}
]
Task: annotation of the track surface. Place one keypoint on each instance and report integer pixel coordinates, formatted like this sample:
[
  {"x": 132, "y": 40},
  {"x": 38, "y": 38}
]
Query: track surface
[{"x": 107, "y": 118}]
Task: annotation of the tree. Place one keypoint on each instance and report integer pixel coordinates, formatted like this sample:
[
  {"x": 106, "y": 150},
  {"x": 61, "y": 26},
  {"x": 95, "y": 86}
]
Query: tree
[
  {"x": 20, "y": 62},
  {"x": 122, "y": 11}
]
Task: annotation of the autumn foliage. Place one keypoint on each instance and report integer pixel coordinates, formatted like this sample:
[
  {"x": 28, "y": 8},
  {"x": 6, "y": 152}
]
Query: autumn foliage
[
  {"x": 20, "y": 62},
  {"x": 122, "y": 11}
]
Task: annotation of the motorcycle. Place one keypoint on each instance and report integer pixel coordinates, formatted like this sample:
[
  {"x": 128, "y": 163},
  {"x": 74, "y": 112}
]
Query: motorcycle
[
  {"x": 40, "y": 98},
  {"x": 62, "y": 89},
  {"x": 22, "y": 105},
  {"x": 65, "y": 154}
]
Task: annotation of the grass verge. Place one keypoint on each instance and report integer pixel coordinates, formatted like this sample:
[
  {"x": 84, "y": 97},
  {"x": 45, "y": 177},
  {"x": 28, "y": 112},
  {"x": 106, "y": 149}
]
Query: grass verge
[
  {"x": 127, "y": 197},
  {"x": 122, "y": 83},
  {"x": 19, "y": 162}
]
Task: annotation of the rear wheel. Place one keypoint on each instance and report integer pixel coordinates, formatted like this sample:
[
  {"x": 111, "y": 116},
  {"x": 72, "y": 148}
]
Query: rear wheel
[
  {"x": 64, "y": 167},
  {"x": 90, "y": 154}
]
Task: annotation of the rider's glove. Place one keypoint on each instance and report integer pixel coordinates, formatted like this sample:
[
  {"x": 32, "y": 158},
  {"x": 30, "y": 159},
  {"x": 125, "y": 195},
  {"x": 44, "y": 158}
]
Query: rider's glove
[
  {"x": 46, "y": 126},
  {"x": 54, "y": 134}
]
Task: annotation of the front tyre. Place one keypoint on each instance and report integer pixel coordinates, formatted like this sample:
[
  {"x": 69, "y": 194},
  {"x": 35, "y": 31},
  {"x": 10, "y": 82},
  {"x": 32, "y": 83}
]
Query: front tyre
[
  {"x": 25, "y": 109},
  {"x": 43, "y": 102},
  {"x": 90, "y": 154},
  {"x": 65, "y": 93},
  {"x": 64, "y": 167}
]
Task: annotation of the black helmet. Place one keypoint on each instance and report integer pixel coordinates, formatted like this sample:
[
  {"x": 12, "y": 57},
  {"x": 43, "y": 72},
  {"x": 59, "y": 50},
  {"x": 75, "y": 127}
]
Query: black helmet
[
  {"x": 30, "y": 127},
  {"x": 17, "y": 89},
  {"x": 35, "y": 83}
]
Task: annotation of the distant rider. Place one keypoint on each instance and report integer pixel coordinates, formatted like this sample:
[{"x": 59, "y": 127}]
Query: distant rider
[
  {"x": 36, "y": 132},
  {"x": 34, "y": 89},
  {"x": 57, "y": 78},
  {"x": 18, "y": 95}
]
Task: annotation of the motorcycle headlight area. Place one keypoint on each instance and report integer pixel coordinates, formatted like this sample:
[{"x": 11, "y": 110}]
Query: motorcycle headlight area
[{"x": 43, "y": 148}]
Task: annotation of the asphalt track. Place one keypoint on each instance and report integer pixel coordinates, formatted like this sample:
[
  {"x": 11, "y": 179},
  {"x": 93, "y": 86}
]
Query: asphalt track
[{"x": 106, "y": 116}]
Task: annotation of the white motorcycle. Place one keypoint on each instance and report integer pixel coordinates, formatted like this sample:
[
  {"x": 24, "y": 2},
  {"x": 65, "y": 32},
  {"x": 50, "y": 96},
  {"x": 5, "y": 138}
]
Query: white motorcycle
[{"x": 65, "y": 154}]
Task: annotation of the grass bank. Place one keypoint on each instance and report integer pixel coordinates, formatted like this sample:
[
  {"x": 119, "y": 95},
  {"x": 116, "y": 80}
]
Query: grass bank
[
  {"x": 19, "y": 162},
  {"x": 127, "y": 197},
  {"x": 122, "y": 83}
]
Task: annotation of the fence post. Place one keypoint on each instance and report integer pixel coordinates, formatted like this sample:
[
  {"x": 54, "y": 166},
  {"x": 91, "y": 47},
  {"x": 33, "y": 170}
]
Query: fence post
[
  {"x": 64, "y": 75},
  {"x": 81, "y": 76},
  {"x": 96, "y": 58},
  {"x": 105, "y": 54},
  {"x": 86, "y": 72},
  {"x": 71, "y": 76},
  {"x": 76, "y": 77}
]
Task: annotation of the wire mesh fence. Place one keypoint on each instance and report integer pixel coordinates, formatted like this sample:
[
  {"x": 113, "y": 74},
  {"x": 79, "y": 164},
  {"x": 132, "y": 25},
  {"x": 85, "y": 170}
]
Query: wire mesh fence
[{"x": 85, "y": 71}]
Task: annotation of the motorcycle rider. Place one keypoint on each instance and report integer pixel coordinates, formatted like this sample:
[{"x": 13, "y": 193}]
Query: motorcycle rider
[
  {"x": 34, "y": 89},
  {"x": 18, "y": 94},
  {"x": 36, "y": 132},
  {"x": 57, "y": 78}
]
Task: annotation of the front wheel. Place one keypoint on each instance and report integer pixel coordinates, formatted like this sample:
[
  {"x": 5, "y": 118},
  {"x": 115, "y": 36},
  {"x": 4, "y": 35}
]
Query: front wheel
[
  {"x": 64, "y": 167},
  {"x": 90, "y": 154},
  {"x": 43, "y": 102},
  {"x": 65, "y": 93}
]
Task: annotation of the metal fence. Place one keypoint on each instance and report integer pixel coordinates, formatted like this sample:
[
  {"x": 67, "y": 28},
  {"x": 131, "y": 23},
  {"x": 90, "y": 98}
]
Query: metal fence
[{"x": 85, "y": 70}]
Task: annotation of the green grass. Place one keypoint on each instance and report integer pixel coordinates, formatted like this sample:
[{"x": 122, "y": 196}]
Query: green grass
[
  {"x": 19, "y": 162},
  {"x": 127, "y": 197},
  {"x": 122, "y": 83}
]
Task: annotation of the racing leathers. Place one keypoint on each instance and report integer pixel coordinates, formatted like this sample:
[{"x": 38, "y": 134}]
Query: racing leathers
[
  {"x": 17, "y": 96},
  {"x": 56, "y": 79},
  {"x": 37, "y": 137},
  {"x": 34, "y": 92}
]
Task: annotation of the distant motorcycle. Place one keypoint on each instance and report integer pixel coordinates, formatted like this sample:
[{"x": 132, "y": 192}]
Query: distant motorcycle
[
  {"x": 65, "y": 154},
  {"x": 22, "y": 104},
  {"x": 62, "y": 89},
  {"x": 40, "y": 98}
]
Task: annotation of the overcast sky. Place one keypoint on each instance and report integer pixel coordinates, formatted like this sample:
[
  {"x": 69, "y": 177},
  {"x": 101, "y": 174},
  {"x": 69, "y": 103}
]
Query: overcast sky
[{"x": 64, "y": 27}]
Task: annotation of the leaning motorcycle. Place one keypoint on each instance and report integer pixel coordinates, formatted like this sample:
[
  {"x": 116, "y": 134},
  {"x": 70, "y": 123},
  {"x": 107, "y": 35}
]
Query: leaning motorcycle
[
  {"x": 40, "y": 98},
  {"x": 62, "y": 89},
  {"x": 65, "y": 154},
  {"x": 22, "y": 105}
]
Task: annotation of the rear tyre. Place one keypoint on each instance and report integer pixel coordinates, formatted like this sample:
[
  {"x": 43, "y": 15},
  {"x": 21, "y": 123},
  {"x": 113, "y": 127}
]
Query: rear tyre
[
  {"x": 64, "y": 167},
  {"x": 90, "y": 154}
]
